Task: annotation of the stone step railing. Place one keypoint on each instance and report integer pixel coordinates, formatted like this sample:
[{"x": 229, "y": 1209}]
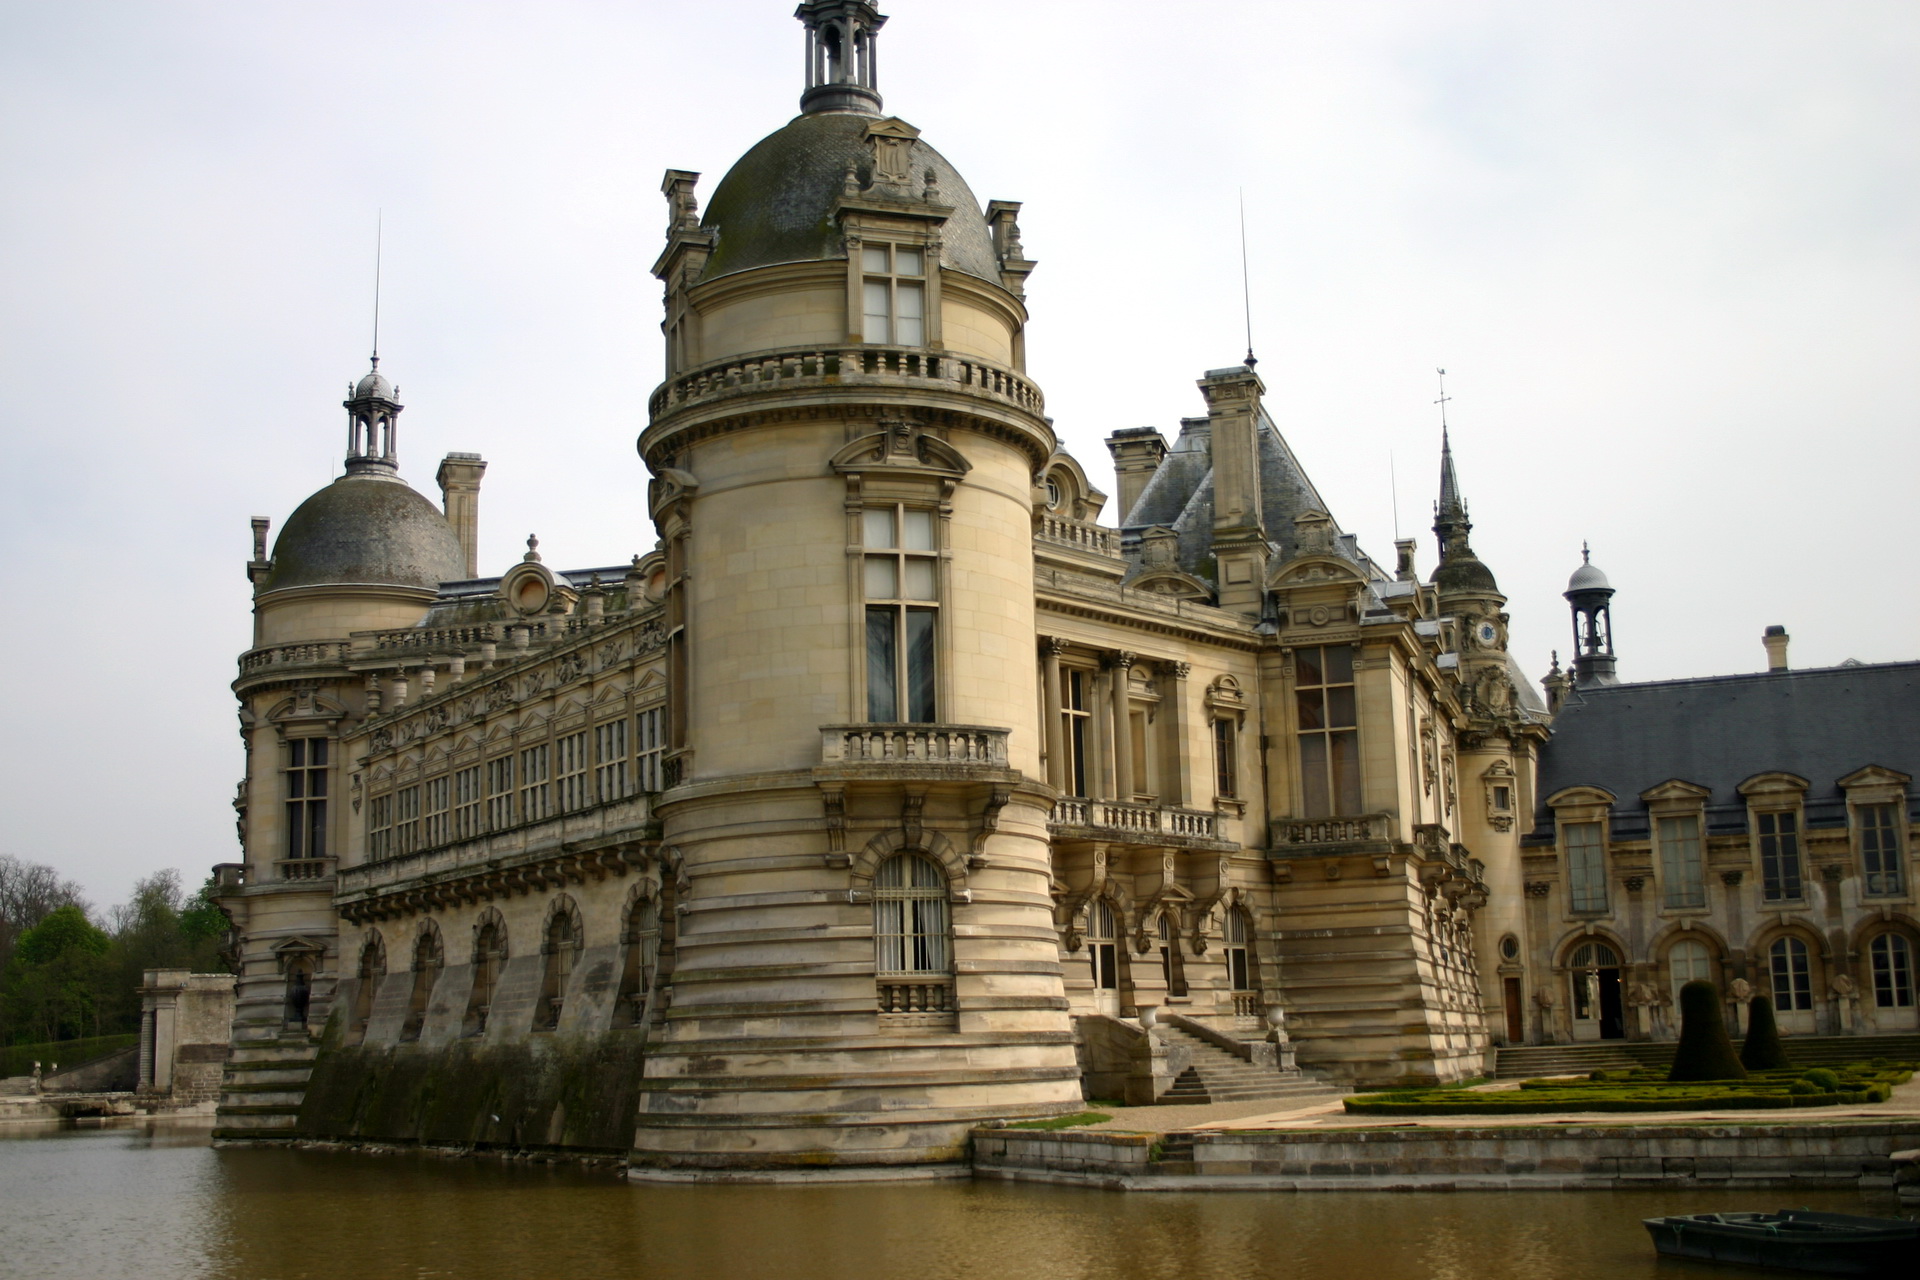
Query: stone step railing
[
  {"x": 846, "y": 366},
  {"x": 1081, "y": 535},
  {"x": 320, "y": 653},
  {"x": 1136, "y": 819},
  {"x": 922, "y": 744}
]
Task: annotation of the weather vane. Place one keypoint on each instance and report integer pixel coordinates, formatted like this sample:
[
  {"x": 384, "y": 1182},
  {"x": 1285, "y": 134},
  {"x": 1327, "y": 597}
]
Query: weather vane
[{"x": 1444, "y": 397}]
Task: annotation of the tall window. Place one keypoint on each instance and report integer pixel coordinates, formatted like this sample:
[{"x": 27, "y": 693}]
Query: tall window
[
  {"x": 910, "y": 917},
  {"x": 1683, "y": 883},
  {"x": 1329, "y": 738},
  {"x": 489, "y": 954},
  {"x": 1880, "y": 847},
  {"x": 500, "y": 793},
  {"x": 536, "y": 786},
  {"x": 380, "y": 827},
  {"x": 641, "y": 940},
  {"x": 1792, "y": 975},
  {"x": 651, "y": 725},
  {"x": 439, "y": 806},
  {"x": 610, "y": 760},
  {"x": 467, "y": 798},
  {"x": 307, "y": 798},
  {"x": 1586, "y": 866},
  {"x": 427, "y": 959},
  {"x": 1239, "y": 951},
  {"x": 893, "y": 295},
  {"x": 1892, "y": 957},
  {"x": 1689, "y": 961},
  {"x": 1103, "y": 945},
  {"x": 1779, "y": 856},
  {"x": 1226, "y": 767},
  {"x": 901, "y": 576},
  {"x": 373, "y": 968},
  {"x": 570, "y": 771},
  {"x": 1076, "y": 714},
  {"x": 561, "y": 946},
  {"x": 1588, "y": 962},
  {"x": 1171, "y": 967},
  {"x": 406, "y": 819}
]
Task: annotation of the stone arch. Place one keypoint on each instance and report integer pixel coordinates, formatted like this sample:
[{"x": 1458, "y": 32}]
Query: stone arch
[
  {"x": 1679, "y": 931},
  {"x": 1820, "y": 965},
  {"x": 369, "y": 974},
  {"x": 490, "y": 952},
  {"x": 1871, "y": 985},
  {"x": 930, "y": 844},
  {"x": 1874, "y": 925},
  {"x": 428, "y": 957},
  {"x": 562, "y": 938}
]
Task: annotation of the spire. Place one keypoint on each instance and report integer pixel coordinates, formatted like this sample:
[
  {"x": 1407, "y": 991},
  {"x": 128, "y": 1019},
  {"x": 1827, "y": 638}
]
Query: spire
[
  {"x": 1449, "y": 482},
  {"x": 1459, "y": 571},
  {"x": 842, "y": 64}
]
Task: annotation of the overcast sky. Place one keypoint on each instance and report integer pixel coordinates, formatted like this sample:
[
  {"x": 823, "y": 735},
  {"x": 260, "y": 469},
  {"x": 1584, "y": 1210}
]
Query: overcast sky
[{"x": 1669, "y": 254}]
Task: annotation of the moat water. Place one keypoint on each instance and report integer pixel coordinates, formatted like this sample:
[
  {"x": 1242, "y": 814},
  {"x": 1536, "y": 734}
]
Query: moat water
[{"x": 159, "y": 1202}]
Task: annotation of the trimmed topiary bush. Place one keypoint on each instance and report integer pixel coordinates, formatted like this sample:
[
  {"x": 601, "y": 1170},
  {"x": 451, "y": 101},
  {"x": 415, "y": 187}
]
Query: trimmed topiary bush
[
  {"x": 1822, "y": 1076},
  {"x": 1705, "y": 1051},
  {"x": 1762, "y": 1050}
]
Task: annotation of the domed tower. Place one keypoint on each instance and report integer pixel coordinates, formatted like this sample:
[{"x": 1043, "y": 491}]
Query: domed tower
[
  {"x": 844, "y": 456},
  {"x": 1590, "y": 595},
  {"x": 365, "y": 553}
]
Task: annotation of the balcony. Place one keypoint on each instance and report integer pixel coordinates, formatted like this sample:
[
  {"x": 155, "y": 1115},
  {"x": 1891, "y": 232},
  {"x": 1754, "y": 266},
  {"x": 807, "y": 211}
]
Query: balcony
[
  {"x": 303, "y": 868},
  {"x": 897, "y": 749},
  {"x": 863, "y": 366},
  {"x": 273, "y": 657},
  {"x": 1304, "y": 837},
  {"x": 1134, "y": 823},
  {"x": 1078, "y": 535}
]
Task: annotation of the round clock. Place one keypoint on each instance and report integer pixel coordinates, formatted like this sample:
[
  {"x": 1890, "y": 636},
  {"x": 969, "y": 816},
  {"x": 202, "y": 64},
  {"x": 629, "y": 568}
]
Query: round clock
[{"x": 1487, "y": 633}]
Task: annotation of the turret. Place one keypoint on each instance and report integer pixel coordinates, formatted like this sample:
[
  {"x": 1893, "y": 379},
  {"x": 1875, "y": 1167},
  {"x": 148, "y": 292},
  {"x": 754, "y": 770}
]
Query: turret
[{"x": 1590, "y": 595}]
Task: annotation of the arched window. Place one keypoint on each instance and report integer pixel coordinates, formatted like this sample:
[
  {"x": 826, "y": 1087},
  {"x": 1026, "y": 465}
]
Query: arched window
[
  {"x": 1892, "y": 957},
  {"x": 1792, "y": 975},
  {"x": 640, "y": 943},
  {"x": 1172, "y": 967},
  {"x": 1588, "y": 961},
  {"x": 1103, "y": 941},
  {"x": 1239, "y": 951},
  {"x": 558, "y": 950},
  {"x": 373, "y": 967},
  {"x": 910, "y": 917},
  {"x": 427, "y": 960},
  {"x": 489, "y": 953},
  {"x": 1689, "y": 961},
  {"x": 299, "y": 992}
]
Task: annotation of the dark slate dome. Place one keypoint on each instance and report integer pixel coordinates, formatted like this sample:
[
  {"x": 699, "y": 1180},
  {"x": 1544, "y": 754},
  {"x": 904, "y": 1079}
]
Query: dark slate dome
[
  {"x": 366, "y": 529},
  {"x": 775, "y": 204},
  {"x": 1464, "y": 571}
]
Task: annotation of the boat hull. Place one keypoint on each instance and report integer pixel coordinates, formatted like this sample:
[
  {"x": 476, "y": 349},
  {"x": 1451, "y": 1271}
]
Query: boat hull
[{"x": 1832, "y": 1244}]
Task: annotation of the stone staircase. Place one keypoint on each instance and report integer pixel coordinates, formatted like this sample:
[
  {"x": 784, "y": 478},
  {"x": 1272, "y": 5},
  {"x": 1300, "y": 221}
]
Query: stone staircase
[
  {"x": 1526, "y": 1061},
  {"x": 1217, "y": 1075},
  {"x": 265, "y": 1082}
]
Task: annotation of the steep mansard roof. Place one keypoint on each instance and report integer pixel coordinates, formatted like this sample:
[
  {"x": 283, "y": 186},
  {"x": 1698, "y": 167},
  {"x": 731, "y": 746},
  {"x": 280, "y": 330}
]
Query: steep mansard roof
[{"x": 1822, "y": 724}]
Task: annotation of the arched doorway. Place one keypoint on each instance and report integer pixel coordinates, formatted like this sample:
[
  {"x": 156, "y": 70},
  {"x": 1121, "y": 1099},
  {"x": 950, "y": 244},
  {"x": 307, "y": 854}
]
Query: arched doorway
[
  {"x": 1598, "y": 1010},
  {"x": 1103, "y": 956}
]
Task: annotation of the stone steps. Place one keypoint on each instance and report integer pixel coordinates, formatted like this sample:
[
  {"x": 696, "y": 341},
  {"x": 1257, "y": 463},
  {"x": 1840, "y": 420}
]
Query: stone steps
[
  {"x": 1614, "y": 1055},
  {"x": 262, "y": 1088},
  {"x": 1217, "y": 1075}
]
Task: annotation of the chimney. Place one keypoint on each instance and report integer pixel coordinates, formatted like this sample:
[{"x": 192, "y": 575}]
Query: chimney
[
  {"x": 460, "y": 498},
  {"x": 1239, "y": 534},
  {"x": 1776, "y": 641},
  {"x": 1404, "y": 570},
  {"x": 1137, "y": 452}
]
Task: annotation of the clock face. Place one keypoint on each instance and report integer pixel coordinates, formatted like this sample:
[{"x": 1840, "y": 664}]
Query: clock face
[{"x": 1487, "y": 633}]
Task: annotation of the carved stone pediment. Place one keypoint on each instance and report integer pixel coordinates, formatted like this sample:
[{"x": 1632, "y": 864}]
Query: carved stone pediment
[{"x": 902, "y": 447}]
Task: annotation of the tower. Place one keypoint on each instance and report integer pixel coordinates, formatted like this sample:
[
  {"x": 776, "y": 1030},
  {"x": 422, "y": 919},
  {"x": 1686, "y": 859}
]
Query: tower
[
  {"x": 844, "y": 456},
  {"x": 1590, "y": 595}
]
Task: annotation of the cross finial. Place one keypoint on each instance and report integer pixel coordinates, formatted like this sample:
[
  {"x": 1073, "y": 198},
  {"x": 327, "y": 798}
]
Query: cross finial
[{"x": 1444, "y": 397}]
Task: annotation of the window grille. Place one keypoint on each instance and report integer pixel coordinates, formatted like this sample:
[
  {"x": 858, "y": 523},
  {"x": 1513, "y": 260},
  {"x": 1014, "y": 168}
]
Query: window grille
[
  {"x": 651, "y": 729},
  {"x": 468, "y": 796},
  {"x": 500, "y": 793},
  {"x": 1239, "y": 951},
  {"x": 1076, "y": 714},
  {"x": 1103, "y": 953},
  {"x": 439, "y": 805},
  {"x": 1879, "y": 847},
  {"x": 1792, "y": 975},
  {"x": 570, "y": 771},
  {"x": 1683, "y": 882},
  {"x": 900, "y": 576},
  {"x": 910, "y": 932},
  {"x": 1779, "y": 856},
  {"x": 893, "y": 294},
  {"x": 307, "y": 798},
  {"x": 406, "y": 819},
  {"x": 380, "y": 827},
  {"x": 1688, "y": 961},
  {"x": 1586, "y": 866},
  {"x": 1892, "y": 957},
  {"x": 610, "y": 760},
  {"x": 1329, "y": 736},
  {"x": 536, "y": 785}
]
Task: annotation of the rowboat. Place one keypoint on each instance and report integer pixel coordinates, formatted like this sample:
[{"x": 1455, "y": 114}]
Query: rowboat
[{"x": 1834, "y": 1244}]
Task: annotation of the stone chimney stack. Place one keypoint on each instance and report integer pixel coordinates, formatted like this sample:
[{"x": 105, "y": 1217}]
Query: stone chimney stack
[
  {"x": 460, "y": 498},
  {"x": 1239, "y": 536},
  {"x": 1137, "y": 452},
  {"x": 1776, "y": 641}
]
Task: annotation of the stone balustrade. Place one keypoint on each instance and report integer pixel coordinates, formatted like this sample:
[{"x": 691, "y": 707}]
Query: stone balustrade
[
  {"x": 1146, "y": 822},
  {"x": 915, "y": 993},
  {"x": 1080, "y": 535},
  {"x": 846, "y": 367},
  {"x": 317, "y": 654},
  {"x": 304, "y": 868},
  {"x": 1311, "y": 834},
  {"x": 970, "y": 745}
]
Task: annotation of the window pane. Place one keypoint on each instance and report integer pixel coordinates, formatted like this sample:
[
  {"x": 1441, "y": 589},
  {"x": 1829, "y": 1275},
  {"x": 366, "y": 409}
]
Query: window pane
[
  {"x": 877, "y": 525},
  {"x": 316, "y": 781},
  {"x": 909, "y": 304},
  {"x": 1340, "y": 708},
  {"x": 1346, "y": 772},
  {"x": 919, "y": 530},
  {"x": 296, "y": 784},
  {"x": 883, "y": 699},
  {"x": 881, "y": 578},
  {"x": 874, "y": 258},
  {"x": 1311, "y": 715},
  {"x": 1339, "y": 663},
  {"x": 919, "y": 579},
  {"x": 877, "y": 311},
  {"x": 1313, "y": 775},
  {"x": 907, "y": 262},
  {"x": 1680, "y": 862},
  {"x": 920, "y": 666},
  {"x": 317, "y": 752},
  {"x": 298, "y": 750},
  {"x": 1306, "y": 666}
]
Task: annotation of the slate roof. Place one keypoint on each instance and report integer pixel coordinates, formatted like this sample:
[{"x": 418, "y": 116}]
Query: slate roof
[
  {"x": 1823, "y": 724},
  {"x": 366, "y": 529}
]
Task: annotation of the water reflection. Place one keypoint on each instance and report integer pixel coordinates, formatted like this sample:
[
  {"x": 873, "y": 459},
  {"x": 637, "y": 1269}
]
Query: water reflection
[{"x": 160, "y": 1204}]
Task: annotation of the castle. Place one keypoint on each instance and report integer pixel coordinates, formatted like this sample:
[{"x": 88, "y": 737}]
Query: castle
[{"x": 892, "y": 792}]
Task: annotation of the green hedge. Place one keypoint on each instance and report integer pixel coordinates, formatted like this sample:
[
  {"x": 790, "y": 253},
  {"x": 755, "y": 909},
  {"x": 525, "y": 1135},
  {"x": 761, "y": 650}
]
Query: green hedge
[
  {"x": 18, "y": 1060},
  {"x": 1644, "y": 1091}
]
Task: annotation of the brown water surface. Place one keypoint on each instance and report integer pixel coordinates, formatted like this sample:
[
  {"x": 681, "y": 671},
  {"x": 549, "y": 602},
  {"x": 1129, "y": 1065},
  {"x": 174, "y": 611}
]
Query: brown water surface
[{"x": 156, "y": 1204}]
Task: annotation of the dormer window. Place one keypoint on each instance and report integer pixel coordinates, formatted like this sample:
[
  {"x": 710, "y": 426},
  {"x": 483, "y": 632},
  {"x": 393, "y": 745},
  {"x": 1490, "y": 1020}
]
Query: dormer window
[
  {"x": 894, "y": 294},
  {"x": 1780, "y": 873},
  {"x": 1879, "y": 847},
  {"x": 1682, "y": 873}
]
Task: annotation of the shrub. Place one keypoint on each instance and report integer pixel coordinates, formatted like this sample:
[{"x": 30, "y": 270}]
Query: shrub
[
  {"x": 1826, "y": 1079},
  {"x": 1762, "y": 1050},
  {"x": 1705, "y": 1052},
  {"x": 1803, "y": 1086}
]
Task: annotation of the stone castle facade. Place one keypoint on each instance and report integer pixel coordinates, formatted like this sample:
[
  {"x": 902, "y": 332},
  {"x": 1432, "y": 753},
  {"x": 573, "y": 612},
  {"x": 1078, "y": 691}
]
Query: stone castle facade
[{"x": 891, "y": 792}]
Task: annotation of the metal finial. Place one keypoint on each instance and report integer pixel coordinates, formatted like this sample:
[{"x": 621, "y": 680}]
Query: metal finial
[
  {"x": 1442, "y": 401},
  {"x": 379, "y": 219},
  {"x": 1246, "y": 289},
  {"x": 1586, "y": 557}
]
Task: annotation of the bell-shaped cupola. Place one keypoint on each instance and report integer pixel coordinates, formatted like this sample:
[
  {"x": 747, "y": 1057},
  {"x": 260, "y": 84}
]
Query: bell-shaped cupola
[{"x": 841, "y": 56}]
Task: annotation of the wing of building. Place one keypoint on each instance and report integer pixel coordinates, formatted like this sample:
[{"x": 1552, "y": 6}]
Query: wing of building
[{"x": 891, "y": 791}]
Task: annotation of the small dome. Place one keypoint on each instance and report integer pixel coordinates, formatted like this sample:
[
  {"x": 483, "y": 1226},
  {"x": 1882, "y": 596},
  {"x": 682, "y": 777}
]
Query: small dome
[
  {"x": 1464, "y": 572},
  {"x": 373, "y": 386},
  {"x": 1588, "y": 578},
  {"x": 366, "y": 529},
  {"x": 776, "y": 203}
]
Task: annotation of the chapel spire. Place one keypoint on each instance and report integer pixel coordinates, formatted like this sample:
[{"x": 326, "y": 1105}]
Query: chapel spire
[{"x": 842, "y": 36}]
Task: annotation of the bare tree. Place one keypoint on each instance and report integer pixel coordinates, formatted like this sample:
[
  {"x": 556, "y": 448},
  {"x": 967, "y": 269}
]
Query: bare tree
[{"x": 29, "y": 893}]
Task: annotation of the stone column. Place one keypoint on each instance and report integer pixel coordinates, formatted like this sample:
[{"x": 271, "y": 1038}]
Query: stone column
[
  {"x": 1176, "y": 784},
  {"x": 1055, "y": 733},
  {"x": 1119, "y": 666}
]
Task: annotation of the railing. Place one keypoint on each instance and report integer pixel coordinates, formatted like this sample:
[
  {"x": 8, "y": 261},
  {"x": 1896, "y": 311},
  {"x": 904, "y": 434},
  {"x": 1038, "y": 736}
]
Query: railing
[
  {"x": 918, "y": 993},
  {"x": 1081, "y": 535},
  {"x": 295, "y": 655},
  {"x": 304, "y": 868},
  {"x": 846, "y": 366},
  {"x": 1246, "y": 1005},
  {"x": 613, "y": 818},
  {"x": 229, "y": 875},
  {"x": 428, "y": 637},
  {"x": 1135, "y": 819},
  {"x": 1304, "y": 832},
  {"x": 925, "y": 744}
]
